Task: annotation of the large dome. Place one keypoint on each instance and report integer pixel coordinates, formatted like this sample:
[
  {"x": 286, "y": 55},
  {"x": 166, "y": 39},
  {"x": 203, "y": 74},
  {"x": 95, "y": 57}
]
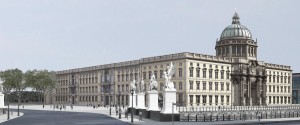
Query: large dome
[{"x": 236, "y": 30}]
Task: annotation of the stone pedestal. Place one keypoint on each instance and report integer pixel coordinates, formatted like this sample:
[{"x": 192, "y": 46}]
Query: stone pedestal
[
  {"x": 169, "y": 99},
  {"x": 134, "y": 100},
  {"x": 141, "y": 101},
  {"x": 1, "y": 100},
  {"x": 152, "y": 100}
]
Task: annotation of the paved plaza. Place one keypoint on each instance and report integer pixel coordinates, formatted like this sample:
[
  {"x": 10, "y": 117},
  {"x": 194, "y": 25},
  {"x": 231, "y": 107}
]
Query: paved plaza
[{"x": 83, "y": 115}]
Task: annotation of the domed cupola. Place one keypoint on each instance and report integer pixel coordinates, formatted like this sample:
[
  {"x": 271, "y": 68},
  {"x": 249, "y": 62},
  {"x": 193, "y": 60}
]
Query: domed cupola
[
  {"x": 236, "y": 41},
  {"x": 236, "y": 30}
]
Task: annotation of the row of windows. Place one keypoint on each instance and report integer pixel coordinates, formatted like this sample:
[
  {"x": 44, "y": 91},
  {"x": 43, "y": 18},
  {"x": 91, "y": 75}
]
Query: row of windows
[
  {"x": 127, "y": 77},
  {"x": 88, "y": 98},
  {"x": 282, "y": 89},
  {"x": 161, "y": 66},
  {"x": 279, "y": 100},
  {"x": 236, "y": 50},
  {"x": 161, "y": 74},
  {"x": 210, "y": 86},
  {"x": 210, "y": 98},
  {"x": 210, "y": 66},
  {"x": 279, "y": 79},
  {"x": 93, "y": 89},
  {"x": 210, "y": 73},
  {"x": 62, "y": 91}
]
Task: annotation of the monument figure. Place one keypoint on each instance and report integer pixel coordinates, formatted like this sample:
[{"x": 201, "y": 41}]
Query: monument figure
[
  {"x": 168, "y": 75},
  {"x": 153, "y": 83},
  {"x": 142, "y": 86},
  {"x": 133, "y": 85},
  {"x": 169, "y": 93}
]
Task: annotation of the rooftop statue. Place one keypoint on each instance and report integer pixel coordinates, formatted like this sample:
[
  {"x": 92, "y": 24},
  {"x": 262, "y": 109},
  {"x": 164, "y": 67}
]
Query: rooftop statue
[
  {"x": 168, "y": 75},
  {"x": 153, "y": 83}
]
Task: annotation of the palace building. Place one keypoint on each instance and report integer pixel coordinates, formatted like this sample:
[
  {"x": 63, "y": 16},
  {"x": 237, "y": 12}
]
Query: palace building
[{"x": 233, "y": 77}]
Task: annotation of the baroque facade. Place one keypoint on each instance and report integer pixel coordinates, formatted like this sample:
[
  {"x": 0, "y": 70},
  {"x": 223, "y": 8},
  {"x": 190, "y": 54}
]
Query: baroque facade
[{"x": 233, "y": 77}]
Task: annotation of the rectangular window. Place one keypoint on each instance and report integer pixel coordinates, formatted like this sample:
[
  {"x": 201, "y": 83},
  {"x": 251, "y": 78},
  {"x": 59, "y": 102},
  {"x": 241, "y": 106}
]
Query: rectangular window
[
  {"x": 210, "y": 85},
  {"x": 149, "y": 74},
  {"x": 216, "y": 99},
  {"x": 222, "y": 99},
  {"x": 216, "y": 86},
  {"x": 227, "y": 75},
  {"x": 180, "y": 72},
  {"x": 180, "y": 85},
  {"x": 204, "y": 99},
  {"x": 273, "y": 88},
  {"x": 270, "y": 101},
  {"x": 222, "y": 74},
  {"x": 198, "y": 72},
  {"x": 191, "y": 100},
  {"x": 155, "y": 74},
  {"x": 216, "y": 74},
  {"x": 144, "y": 75},
  {"x": 191, "y": 72},
  {"x": 204, "y": 73},
  {"x": 191, "y": 85},
  {"x": 233, "y": 49},
  {"x": 198, "y": 85},
  {"x": 222, "y": 86},
  {"x": 204, "y": 85},
  {"x": 210, "y": 99},
  {"x": 198, "y": 99},
  {"x": 161, "y": 73},
  {"x": 227, "y": 100},
  {"x": 210, "y": 73},
  {"x": 227, "y": 84}
]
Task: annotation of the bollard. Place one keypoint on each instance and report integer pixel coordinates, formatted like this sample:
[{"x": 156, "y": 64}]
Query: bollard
[
  {"x": 297, "y": 114},
  {"x": 266, "y": 115},
  {"x": 234, "y": 117},
  {"x": 289, "y": 114},
  {"x": 210, "y": 117},
  {"x": 261, "y": 115},
  {"x": 228, "y": 117},
  {"x": 188, "y": 118},
  {"x": 196, "y": 118},
  {"x": 217, "y": 118},
  {"x": 204, "y": 118}
]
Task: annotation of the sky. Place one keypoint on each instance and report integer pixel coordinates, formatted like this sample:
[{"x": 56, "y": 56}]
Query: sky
[{"x": 66, "y": 34}]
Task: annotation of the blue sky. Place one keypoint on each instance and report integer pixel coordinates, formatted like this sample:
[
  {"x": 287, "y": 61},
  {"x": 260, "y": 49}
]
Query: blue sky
[{"x": 64, "y": 34}]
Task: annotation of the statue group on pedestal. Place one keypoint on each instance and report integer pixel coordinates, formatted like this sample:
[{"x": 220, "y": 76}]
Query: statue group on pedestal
[{"x": 169, "y": 85}]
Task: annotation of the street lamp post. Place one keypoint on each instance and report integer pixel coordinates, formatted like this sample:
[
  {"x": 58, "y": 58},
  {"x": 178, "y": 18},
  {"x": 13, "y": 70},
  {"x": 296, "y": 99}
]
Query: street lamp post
[
  {"x": 18, "y": 104},
  {"x": 119, "y": 105},
  {"x": 8, "y": 116},
  {"x": 131, "y": 105},
  {"x": 109, "y": 101}
]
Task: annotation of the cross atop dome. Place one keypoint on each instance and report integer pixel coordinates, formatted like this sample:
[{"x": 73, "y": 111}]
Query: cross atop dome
[{"x": 235, "y": 19}]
